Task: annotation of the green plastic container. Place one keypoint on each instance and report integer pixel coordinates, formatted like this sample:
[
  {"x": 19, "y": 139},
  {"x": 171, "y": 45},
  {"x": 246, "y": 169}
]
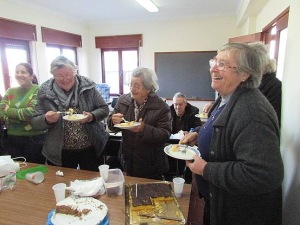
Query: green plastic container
[{"x": 22, "y": 174}]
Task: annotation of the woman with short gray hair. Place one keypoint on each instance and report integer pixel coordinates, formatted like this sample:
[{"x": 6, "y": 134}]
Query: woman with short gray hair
[
  {"x": 240, "y": 170},
  {"x": 142, "y": 147},
  {"x": 71, "y": 142}
]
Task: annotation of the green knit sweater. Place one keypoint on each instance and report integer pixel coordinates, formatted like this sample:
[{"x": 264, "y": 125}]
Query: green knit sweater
[{"x": 21, "y": 107}]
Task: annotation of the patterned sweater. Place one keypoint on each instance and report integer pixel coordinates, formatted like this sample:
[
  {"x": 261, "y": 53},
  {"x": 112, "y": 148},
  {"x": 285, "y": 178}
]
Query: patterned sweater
[{"x": 21, "y": 107}]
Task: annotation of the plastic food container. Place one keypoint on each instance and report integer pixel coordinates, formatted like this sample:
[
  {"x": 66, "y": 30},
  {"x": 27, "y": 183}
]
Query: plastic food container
[{"x": 114, "y": 183}]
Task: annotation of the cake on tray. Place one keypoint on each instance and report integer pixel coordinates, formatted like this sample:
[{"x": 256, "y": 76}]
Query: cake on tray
[{"x": 85, "y": 210}]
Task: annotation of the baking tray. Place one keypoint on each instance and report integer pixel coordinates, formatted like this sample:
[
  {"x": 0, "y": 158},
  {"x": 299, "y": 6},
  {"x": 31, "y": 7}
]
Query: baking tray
[{"x": 169, "y": 208}]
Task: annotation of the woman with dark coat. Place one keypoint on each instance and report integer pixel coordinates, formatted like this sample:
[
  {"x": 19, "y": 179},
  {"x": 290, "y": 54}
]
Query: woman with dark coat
[
  {"x": 240, "y": 170},
  {"x": 142, "y": 148}
]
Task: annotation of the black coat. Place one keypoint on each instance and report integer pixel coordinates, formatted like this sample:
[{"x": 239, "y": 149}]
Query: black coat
[
  {"x": 189, "y": 119},
  {"x": 271, "y": 88}
]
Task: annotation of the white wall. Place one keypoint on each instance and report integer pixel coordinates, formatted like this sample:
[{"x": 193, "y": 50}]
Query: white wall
[
  {"x": 21, "y": 13},
  {"x": 203, "y": 34},
  {"x": 290, "y": 129}
]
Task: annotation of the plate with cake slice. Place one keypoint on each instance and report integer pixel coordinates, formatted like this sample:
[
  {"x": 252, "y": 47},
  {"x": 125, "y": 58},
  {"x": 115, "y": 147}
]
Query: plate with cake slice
[
  {"x": 75, "y": 117},
  {"x": 182, "y": 152},
  {"x": 79, "y": 211},
  {"x": 127, "y": 125}
]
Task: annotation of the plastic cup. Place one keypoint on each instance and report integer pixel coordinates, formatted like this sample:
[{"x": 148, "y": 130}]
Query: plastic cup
[
  {"x": 59, "y": 191},
  {"x": 103, "y": 169},
  {"x": 178, "y": 186},
  {"x": 36, "y": 177}
]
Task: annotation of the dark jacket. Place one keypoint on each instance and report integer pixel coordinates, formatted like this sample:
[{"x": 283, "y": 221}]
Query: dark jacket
[
  {"x": 271, "y": 88},
  {"x": 189, "y": 119},
  {"x": 142, "y": 155},
  {"x": 90, "y": 100},
  {"x": 245, "y": 171}
]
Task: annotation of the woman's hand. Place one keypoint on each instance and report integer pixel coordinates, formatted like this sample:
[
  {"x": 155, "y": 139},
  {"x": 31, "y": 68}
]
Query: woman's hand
[
  {"x": 117, "y": 118},
  {"x": 88, "y": 119},
  {"x": 189, "y": 139},
  {"x": 197, "y": 166},
  {"x": 140, "y": 128},
  {"x": 51, "y": 117},
  {"x": 6, "y": 108}
]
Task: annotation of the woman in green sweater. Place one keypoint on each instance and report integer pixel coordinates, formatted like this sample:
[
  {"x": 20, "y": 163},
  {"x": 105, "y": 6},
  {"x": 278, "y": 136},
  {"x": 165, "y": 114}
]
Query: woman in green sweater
[{"x": 16, "y": 109}]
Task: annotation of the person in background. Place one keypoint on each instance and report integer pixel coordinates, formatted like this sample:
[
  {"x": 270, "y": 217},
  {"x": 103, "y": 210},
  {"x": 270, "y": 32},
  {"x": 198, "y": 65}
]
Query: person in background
[
  {"x": 183, "y": 118},
  {"x": 240, "y": 171},
  {"x": 16, "y": 109},
  {"x": 183, "y": 114},
  {"x": 141, "y": 151},
  {"x": 71, "y": 143},
  {"x": 270, "y": 85}
]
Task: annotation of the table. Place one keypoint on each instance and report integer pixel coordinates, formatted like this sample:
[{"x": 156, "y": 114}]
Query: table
[{"x": 29, "y": 203}]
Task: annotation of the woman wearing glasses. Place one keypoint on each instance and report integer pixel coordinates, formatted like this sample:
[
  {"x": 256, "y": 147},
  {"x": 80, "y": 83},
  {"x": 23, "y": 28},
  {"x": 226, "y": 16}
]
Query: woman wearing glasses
[
  {"x": 240, "y": 170},
  {"x": 141, "y": 152},
  {"x": 16, "y": 109},
  {"x": 71, "y": 143}
]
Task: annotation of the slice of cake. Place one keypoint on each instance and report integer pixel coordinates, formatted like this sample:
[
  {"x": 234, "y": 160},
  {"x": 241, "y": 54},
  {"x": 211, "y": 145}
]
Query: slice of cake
[{"x": 79, "y": 211}]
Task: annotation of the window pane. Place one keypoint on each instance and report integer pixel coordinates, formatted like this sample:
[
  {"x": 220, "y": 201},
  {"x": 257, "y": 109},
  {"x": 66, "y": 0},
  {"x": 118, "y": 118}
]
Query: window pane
[
  {"x": 2, "y": 87},
  {"x": 129, "y": 64},
  {"x": 111, "y": 62},
  {"x": 281, "y": 53},
  {"x": 272, "y": 49},
  {"x": 70, "y": 54},
  {"x": 14, "y": 57},
  {"x": 51, "y": 53}
]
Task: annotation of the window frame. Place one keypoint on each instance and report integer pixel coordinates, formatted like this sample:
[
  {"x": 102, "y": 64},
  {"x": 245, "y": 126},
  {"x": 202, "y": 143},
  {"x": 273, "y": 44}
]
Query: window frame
[
  {"x": 119, "y": 50},
  {"x": 15, "y": 44},
  {"x": 62, "y": 47}
]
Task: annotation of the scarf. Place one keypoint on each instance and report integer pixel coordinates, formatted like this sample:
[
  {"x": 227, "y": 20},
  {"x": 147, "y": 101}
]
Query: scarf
[{"x": 138, "y": 108}]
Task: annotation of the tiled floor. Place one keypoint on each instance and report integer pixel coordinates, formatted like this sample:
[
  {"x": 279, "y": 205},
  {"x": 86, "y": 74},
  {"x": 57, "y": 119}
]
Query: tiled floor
[{"x": 196, "y": 207}]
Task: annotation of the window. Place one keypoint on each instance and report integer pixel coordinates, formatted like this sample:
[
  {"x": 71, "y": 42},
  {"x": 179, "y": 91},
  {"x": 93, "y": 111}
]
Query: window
[
  {"x": 53, "y": 51},
  {"x": 117, "y": 66},
  {"x": 12, "y": 52},
  {"x": 275, "y": 35},
  {"x": 119, "y": 56}
]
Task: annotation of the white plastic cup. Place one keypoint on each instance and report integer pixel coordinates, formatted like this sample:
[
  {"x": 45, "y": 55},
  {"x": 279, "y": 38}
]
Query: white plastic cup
[
  {"x": 103, "y": 169},
  {"x": 178, "y": 186},
  {"x": 59, "y": 191},
  {"x": 36, "y": 177}
]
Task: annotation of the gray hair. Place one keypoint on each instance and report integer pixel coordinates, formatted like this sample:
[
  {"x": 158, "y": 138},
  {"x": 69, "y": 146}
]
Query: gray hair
[
  {"x": 270, "y": 64},
  {"x": 179, "y": 95},
  {"x": 248, "y": 61},
  {"x": 149, "y": 78},
  {"x": 61, "y": 62}
]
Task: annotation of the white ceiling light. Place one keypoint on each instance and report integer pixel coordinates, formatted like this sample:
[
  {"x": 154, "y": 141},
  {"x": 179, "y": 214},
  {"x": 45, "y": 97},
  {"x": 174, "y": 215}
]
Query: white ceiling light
[{"x": 149, "y": 5}]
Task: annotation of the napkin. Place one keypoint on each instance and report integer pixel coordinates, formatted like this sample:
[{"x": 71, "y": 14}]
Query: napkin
[
  {"x": 86, "y": 188},
  {"x": 178, "y": 135}
]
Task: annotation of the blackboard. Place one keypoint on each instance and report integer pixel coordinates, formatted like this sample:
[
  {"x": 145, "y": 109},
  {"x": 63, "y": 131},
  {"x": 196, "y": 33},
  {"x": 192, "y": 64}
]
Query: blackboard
[{"x": 185, "y": 72}]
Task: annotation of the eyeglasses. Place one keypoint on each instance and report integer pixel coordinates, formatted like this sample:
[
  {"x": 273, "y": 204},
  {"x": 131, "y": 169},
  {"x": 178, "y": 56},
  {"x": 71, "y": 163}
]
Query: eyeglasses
[
  {"x": 68, "y": 76},
  {"x": 134, "y": 85},
  {"x": 220, "y": 65}
]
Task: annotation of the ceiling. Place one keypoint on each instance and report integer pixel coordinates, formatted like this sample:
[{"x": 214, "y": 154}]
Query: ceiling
[{"x": 104, "y": 11}]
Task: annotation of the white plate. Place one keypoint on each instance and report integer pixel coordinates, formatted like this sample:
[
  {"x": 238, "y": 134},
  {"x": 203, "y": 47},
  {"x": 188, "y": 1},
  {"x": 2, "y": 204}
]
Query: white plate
[
  {"x": 190, "y": 152},
  {"x": 75, "y": 117},
  {"x": 202, "y": 115},
  {"x": 98, "y": 213},
  {"x": 127, "y": 127}
]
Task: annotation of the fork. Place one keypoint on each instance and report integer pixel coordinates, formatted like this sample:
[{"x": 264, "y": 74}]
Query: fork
[
  {"x": 184, "y": 150},
  {"x": 125, "y": 120},
  {"x": 63, "y": 112}
]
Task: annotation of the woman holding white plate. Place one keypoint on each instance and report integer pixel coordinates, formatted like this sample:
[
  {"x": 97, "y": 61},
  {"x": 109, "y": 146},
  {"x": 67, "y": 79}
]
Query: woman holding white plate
[
  {"x": 141, "y": 151},
  {"x": 71, "y": 142}
]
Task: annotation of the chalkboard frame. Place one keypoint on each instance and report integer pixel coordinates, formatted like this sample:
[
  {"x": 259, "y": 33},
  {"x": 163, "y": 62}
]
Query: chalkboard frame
[{"x": 170, "y": 66}]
